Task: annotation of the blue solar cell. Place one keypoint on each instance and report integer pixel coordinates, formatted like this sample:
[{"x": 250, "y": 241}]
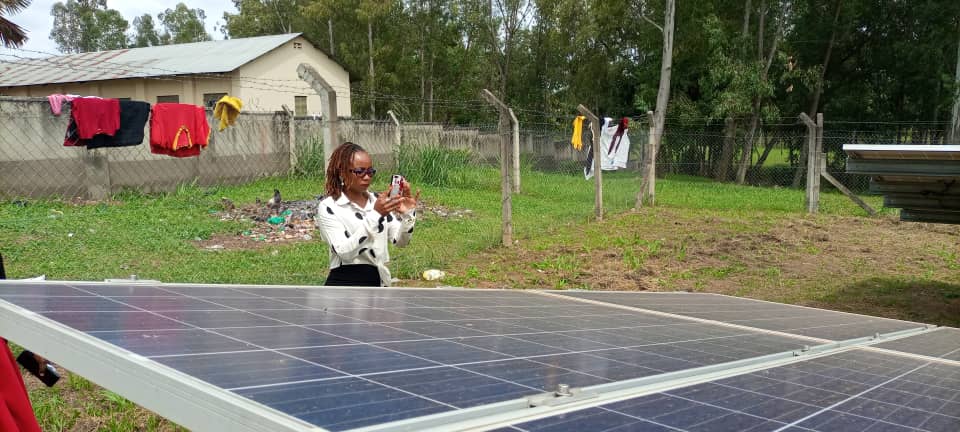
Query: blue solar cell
[
  {"x": 284, "y": 337},
  {"x": 40, "y": 290},
  {"x": 161, "y": 304},
  {"x": 533, "y": 374},
  {"x": 172, "y": 342},
  {"x": 343, "y": 403},
  {"x": 509, "y": 346},
  {"x": 67, "y": 304},
  {"x": 359, "y": 359},
  {"x": 443, "y": 351},
  {"x": 367, "y": 332},
  {"x": 245, "y": 369},
  {"x": 456, "y": 387},
  {"x": 113, "y": 320},
  {"x": 307, "y": 316},
  {"x": 220, "y": 319}
]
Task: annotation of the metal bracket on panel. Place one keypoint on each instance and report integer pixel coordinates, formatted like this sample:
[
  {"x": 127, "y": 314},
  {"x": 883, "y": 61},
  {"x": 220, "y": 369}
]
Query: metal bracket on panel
[
  {"x": 563, "y": 395},
  {"x": 133, "y": 278}
]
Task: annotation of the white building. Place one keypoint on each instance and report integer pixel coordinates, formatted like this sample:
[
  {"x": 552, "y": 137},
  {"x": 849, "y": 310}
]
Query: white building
[{"x": 261, "y": 71}]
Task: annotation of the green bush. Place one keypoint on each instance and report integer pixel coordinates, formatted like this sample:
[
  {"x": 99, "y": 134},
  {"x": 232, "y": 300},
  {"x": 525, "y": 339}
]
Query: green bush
[
  {"x": 310, "y": 159},
  {"x": 437, "y": 166}
]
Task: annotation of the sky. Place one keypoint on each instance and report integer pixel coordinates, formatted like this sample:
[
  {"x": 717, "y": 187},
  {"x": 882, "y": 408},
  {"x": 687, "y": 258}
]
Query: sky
[{"x": 36, "y": 19}]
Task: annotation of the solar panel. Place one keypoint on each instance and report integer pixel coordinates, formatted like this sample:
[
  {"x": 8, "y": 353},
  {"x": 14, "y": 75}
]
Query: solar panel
[
  {"x": 798, "y": 320},
  {"x": 942, "y": 342},
  {"x": 852, "y": 391},
  {"x": 343, "y": 358}
]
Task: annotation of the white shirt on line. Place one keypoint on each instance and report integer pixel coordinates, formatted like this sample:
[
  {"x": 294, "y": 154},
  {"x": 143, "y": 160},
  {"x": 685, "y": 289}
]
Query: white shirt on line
[{"x": 361, "y": 235}]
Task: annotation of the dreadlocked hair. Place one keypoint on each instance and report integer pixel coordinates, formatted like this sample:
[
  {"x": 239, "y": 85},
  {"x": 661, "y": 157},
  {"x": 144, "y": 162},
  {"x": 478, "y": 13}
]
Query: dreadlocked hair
[{"x": 340, "y": 161}]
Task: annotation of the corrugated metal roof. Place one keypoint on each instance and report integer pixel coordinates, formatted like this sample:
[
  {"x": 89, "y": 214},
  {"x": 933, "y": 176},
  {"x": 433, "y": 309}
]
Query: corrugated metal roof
[{"x": 182, "y": 59}]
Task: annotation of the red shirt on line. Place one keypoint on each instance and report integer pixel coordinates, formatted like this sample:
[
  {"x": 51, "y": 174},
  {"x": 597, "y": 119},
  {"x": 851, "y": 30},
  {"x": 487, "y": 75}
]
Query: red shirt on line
[{"x": 95, "y": 116}]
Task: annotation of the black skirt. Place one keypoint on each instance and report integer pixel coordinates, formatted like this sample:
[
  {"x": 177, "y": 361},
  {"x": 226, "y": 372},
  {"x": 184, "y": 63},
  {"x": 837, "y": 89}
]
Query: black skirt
[{"x": 354, "y": 275}]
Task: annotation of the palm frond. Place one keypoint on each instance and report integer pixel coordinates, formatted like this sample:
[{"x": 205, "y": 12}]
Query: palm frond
[
  {"x": 11, "y": 35},
  {"x": 10, "y": 7}
]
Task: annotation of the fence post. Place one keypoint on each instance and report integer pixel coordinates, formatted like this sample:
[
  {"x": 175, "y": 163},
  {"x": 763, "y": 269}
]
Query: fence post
[
  {"x": 328, "y": 107},
  {"x": 516, "y": 151},
  {"x": 597, "y": 176},
  {"x": 292, "y": 137},
  {"x": 97, "y": 174},
  {"x": 506, "y": 140},
  {"x": 397, "y": 139},
  {"x": 648, "y": 168},
  {"x": 812, "y": 196}
]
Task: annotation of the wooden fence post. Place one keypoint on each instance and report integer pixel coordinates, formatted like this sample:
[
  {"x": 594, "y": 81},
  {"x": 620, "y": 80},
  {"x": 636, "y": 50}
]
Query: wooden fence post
[
  {"x": 812, "y": 196},
  {"x": 516, "y": 150},
  {"x": 328, "y": 107},
  {"x": 506, "y": 157},
  {"x": 648, "y": 168},
  {"x": 597, "y": 172}
]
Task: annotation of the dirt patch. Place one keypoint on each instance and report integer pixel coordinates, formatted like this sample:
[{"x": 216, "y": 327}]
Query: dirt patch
[{"x": 288, "y": 223}]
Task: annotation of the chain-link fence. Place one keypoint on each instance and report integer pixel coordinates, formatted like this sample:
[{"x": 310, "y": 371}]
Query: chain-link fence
[{"x": 34, "y": 162}]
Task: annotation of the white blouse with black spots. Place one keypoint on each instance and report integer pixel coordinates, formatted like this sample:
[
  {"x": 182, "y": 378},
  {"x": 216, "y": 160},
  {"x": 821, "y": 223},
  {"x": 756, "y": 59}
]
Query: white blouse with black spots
[{"x": 361, "y": 235}]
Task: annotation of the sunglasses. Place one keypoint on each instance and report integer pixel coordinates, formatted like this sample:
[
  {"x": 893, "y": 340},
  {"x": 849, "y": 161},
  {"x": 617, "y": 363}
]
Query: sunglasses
[{"x": 361, "y": 171}]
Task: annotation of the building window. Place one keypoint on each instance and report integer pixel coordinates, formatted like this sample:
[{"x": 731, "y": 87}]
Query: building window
[
  {"x": 210, "y": 99},
  {"x": 168, "y": 99},
  {"x": 300, "y": 105},
  {"x": 297, "y": 45}
]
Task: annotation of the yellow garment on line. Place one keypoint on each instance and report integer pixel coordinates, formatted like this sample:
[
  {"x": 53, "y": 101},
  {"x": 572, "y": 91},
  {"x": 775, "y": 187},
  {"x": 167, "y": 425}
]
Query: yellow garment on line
[
  {"x": 227, "y": 110},
  {"x": 577, "y": 139}
]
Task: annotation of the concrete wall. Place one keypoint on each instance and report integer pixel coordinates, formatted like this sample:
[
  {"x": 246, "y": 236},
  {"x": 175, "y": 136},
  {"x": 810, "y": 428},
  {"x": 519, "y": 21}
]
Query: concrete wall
[{"x": 34, "y": 162}]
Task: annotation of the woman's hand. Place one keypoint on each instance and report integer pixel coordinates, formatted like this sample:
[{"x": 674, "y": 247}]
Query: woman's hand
[
  {"x": 407, "y": 202},
  {"x": 385, "y": 204}
]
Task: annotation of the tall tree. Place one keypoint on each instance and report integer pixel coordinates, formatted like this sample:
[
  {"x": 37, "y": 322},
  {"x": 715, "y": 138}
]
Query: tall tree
[
  {"x": 146, "y": 34},
  {"x": 87, "y": 25},
  {"x": 183, "y": 25},
  {"x": 955, "y": 117},
  {"x": 264, "y": 17},
  {"x": 765, "y": 60},
  {"x": 11, "y": 35},
  {"x": 663, "y": 99}
]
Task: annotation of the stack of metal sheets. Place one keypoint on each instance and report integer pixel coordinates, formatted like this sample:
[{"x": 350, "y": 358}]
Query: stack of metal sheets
[{"x": 921, "y": 180}]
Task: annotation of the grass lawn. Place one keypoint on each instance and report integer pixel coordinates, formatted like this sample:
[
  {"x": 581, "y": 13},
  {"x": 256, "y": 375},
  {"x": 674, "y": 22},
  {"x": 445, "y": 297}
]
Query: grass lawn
[{"x": 701, "y": 236}]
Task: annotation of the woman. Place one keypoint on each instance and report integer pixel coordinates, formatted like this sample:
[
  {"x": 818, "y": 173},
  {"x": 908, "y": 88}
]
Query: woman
[{"x": 359, "y": 225}]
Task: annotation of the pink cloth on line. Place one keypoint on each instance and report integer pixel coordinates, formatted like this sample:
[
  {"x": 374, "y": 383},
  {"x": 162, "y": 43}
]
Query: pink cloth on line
[{"x": 56, "y": 102}]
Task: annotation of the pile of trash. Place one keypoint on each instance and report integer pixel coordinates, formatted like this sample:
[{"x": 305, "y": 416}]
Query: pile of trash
[{"x": 279, "y": 221}]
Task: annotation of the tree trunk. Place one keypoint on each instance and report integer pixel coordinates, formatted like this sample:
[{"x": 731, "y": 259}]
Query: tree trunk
[
  {"x": 333, "y": 50},
  {"x": 372, "y": 86},
  {"x": 766, "y": 151},
  {"x": 430, "y": 86},
  {"x": 818, "y": 89},
  {"x": 746, "y": 157},
  {"x": 955, "y": 124},
  {"x": 663, "y": 99},
  {"x": 722, "y": 170},
  {"x": 746, "y": 22}
]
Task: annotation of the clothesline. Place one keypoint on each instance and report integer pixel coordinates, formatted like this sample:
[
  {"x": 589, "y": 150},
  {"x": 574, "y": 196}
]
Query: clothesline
[{"x": 178, "y": 130}]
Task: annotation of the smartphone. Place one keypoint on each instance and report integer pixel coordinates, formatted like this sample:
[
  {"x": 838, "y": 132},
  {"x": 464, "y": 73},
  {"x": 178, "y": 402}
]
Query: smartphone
[
  {"x": 395, "y": 182},
  {"x": 29, "y": 362}
]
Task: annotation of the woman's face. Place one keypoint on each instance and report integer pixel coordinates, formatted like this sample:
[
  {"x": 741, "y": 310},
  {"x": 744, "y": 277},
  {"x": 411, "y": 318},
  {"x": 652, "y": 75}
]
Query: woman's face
[{"x": 354, "y": 182}]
